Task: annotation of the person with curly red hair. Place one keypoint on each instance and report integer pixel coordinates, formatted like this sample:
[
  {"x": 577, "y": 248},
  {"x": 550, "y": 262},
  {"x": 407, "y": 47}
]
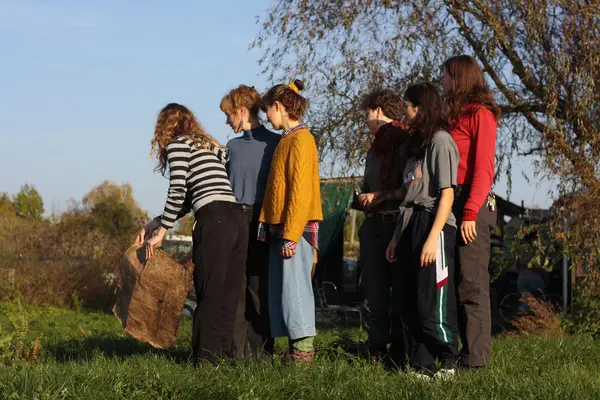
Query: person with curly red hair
[{"x": 248, "y": 165}]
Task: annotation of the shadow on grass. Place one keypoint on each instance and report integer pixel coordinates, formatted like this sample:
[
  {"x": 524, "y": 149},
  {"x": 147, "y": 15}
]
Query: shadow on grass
[
  {"x": 122, "y": 348},
  {"x": 346, "y": 345},
  {"x": 342, "y": 344},
  {"x": 342, "y": 333},
  {"x": 335, "y": 321}
]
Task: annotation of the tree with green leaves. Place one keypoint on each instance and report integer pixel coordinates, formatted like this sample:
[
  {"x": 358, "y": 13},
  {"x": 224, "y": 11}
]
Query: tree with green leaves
[
  {"x": 113, "y": 209},
  {"x": 28, "y": 203},
  {"x": 6, "y": 206},
  {"x": 541, "y": 58}
]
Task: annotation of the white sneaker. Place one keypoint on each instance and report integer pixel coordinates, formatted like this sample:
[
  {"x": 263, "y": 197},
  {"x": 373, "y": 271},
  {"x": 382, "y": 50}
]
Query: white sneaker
[
  {"x": 419, "y": 375},
  {"x": 445, "y": 374}
]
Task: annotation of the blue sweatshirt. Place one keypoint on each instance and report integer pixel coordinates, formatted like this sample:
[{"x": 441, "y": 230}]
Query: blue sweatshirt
[{"x": 250, "y": 157}]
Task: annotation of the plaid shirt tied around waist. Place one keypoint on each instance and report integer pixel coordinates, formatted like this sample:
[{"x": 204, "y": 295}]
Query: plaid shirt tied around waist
[{"x": 267, "y": 233}]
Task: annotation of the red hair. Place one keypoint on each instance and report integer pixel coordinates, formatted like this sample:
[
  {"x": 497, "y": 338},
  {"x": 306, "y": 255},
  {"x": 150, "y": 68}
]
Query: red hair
[{"x": 241, "y": 96}]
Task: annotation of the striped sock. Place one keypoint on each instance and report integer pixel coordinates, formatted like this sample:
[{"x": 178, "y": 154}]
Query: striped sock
[{"x": 303, "y": 344}]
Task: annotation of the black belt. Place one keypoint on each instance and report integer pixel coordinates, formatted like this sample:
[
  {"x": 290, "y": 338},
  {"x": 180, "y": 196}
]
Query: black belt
[
  {"x": 385, "y": 216},
  {"x": 250, "y": 207}
]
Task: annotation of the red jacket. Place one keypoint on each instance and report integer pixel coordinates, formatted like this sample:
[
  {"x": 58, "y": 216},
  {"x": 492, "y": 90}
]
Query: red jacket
[{"x": 475, "y": 136}]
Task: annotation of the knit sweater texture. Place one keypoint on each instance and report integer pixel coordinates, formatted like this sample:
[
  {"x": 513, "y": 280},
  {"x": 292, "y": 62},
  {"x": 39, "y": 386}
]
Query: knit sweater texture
[{"x": 293, "y": 194}]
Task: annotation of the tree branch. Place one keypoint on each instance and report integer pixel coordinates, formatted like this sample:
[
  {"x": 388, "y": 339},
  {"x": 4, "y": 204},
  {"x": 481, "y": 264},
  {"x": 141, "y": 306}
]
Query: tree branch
[
  {"x": 530, "y": 152},
  {"x": 577, "y": 160},
  {"x": 508, "y": 109},
  {"x": 488, "y": 18},
  {"x": 480, "y": 53}
]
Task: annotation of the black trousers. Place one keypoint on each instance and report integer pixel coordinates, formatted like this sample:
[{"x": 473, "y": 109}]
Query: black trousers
[
  {"x": 375, "y": 278},
  {"x": 220, "y": 243},
  {"x": 252, "y": 334},
  {"x": 424, "y": 316},
  {"x": 473, "y": 285}
]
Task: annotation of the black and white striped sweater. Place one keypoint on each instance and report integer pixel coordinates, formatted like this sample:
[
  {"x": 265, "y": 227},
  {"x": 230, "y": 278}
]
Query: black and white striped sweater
[{"x": 197, "y": 178}]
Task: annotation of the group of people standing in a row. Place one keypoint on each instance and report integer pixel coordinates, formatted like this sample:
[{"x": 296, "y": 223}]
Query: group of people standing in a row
[
  {"x": 257, "y": 205},
  {"x": 429, "y": 215}
]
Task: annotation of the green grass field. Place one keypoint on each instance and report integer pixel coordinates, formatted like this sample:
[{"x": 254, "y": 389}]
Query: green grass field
[{"x": 88, "y": 356}]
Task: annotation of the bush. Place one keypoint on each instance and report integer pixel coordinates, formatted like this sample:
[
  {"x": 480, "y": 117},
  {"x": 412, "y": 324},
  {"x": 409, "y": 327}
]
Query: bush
[
  {"x": 68, "y": 261},
  {"x": 57, "y": 263},
  {"x": 13, "y": 341},
  {"x": 541, "y": 319},
  {"x": 584, "y": 318}
]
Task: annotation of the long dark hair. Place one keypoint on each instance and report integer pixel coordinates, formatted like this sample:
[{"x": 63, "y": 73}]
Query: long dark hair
[
  {"x": 429, "y": 118},
  {"x": 468, "y": 88}
]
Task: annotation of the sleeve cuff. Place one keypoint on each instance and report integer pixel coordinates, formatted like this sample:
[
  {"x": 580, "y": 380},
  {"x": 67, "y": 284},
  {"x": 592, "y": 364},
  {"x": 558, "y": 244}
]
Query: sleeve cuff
[
  {"x": 292, "y": 237},
  {"x": 166, "y": 225},
  {"x": 469, "y": 215},
  {"x": 288, "y": 244}
]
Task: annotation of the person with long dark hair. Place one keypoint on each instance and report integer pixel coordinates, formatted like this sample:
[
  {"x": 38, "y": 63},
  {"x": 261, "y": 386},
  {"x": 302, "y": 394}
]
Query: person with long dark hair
[
  {"x": 249, "y": 162},
  {"x": 472, "y": 116},
  {"x": 384, "y": 109},
  {"x": 422, "y": 248},
  {"x": 198, "y": 181}
]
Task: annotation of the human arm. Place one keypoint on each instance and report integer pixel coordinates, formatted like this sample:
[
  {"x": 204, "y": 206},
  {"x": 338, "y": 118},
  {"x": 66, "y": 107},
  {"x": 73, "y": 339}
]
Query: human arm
[
  {"x": 300, "y": 160},
  {"x": 301, "y": 170},
  {"x": 154, "y": 224},
  {"x": 396, "y": 194},
  {"x": 428, "y": 254},
  {"x": 178, "y": 155},
  {"x": 366, "y": 199},
  {"x": 443, "y": 167},
  {"x": 483, "y": 127},
  {"x": 222, "y": 153}
]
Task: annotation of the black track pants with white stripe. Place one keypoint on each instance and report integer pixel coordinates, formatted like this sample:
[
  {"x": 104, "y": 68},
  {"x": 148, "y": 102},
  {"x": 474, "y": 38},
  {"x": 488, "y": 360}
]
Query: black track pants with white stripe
[{"x": 423, "y": 298}]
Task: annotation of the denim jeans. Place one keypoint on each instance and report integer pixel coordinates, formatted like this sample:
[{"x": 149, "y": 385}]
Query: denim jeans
[{"x": 291, "y": 299}]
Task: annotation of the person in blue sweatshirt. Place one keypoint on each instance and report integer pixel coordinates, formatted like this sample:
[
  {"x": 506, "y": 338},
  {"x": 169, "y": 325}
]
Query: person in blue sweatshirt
[{"x": 248, "y": 166}]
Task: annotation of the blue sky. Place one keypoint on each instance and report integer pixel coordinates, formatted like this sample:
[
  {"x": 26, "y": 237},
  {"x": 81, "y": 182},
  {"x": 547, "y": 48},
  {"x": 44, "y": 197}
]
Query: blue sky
[{"x": 83, "y": 81}]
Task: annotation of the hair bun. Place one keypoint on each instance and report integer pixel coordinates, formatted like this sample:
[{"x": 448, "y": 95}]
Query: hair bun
[{"x": 299, "y": 84}]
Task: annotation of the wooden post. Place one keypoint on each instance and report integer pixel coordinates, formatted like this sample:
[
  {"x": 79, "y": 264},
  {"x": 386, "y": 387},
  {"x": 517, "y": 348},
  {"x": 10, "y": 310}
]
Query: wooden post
[
  {"x": 353, "y": 214},
  {"x": 565, "y": 270},
  {"x": 11, "y": 279}
]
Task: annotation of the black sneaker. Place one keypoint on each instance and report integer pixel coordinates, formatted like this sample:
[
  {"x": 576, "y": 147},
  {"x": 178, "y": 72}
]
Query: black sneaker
[{"x": 449, "y": 363}]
